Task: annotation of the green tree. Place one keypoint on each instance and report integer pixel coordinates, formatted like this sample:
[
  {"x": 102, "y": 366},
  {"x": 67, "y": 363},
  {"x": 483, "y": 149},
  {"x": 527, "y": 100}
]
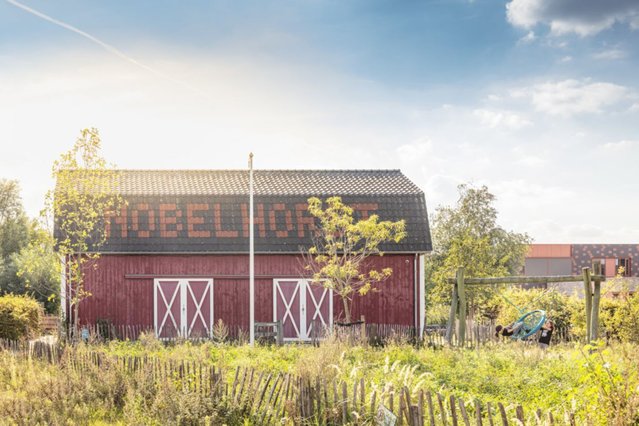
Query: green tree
[
  {"x": 38, "y": 267},
  {"x": 467, "y": 235},
  {"x": 85, "y": 194},
  {"x": 619, "y": 311},
  {"x": 341, "y": 247},
  {"x": 14, "y": 234}
]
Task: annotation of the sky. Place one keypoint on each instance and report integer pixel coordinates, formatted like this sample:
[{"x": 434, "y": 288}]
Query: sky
[{"x": 536, "y": 99}]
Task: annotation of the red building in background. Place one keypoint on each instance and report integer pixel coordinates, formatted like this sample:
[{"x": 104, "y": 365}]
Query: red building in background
[{"x": 570, "y": 259}]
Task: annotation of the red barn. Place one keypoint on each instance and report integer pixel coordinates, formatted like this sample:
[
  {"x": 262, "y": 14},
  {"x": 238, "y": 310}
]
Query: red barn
[{"x": 176, "y": 258}]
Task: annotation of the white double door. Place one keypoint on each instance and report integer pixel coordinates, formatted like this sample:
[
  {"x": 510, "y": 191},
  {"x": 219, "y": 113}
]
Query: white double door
[
  {"x": 183, "y": 308},
  {"x": 305, "y": 309}
]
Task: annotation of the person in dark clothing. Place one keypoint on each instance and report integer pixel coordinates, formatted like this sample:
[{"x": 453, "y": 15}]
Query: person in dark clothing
[
  {"x": 546, "y": 334},
  {"x": 509, "y": 330}
]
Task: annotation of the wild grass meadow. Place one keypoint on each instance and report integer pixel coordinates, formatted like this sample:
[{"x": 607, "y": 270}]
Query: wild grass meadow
[{"x": 597, "y": 385}]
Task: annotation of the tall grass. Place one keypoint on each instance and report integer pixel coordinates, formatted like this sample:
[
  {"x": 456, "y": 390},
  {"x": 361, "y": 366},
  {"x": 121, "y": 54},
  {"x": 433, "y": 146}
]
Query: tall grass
[{"x": 598, "y": 384}]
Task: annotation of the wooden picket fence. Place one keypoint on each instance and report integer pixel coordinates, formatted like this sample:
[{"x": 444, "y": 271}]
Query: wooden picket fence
[
  {"x": 35, "y": 349},
  {"x": 269, "y": 397},
  {"x": 434, "y": 336},
  {"x": 483, "y": 334}
]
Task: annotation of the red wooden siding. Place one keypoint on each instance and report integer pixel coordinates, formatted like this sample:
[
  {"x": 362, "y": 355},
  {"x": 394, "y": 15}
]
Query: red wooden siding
[
  {"x": 122, "y": 287},
  {"x": 395, "y": 301}
]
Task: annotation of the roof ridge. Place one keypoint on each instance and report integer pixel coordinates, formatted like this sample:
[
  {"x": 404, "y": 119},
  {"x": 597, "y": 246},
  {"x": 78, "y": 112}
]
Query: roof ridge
[
  {"x": 259, "y": 170},
  {"x": 268, "y": 181}
]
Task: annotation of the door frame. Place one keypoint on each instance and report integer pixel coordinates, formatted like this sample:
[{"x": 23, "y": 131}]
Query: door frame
[
  {"x": 302, "y": 287},
  {"x": 182, "y": 293}
]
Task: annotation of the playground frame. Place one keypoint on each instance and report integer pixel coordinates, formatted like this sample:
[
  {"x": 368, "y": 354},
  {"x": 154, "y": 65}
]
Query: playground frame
[{"x": 592, "y": 297}]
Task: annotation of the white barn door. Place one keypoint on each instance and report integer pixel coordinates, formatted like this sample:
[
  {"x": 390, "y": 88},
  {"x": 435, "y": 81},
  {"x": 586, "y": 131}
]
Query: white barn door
[
  {"x": 183, "y": 308},
  {"x": 302, "y": 307}
]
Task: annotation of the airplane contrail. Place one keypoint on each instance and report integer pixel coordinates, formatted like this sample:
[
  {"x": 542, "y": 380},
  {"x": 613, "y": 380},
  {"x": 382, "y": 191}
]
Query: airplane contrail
[{"x": 103, "y": 44}]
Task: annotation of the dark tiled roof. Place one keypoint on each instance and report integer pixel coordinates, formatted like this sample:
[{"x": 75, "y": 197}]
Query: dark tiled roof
[
  {"x": 206, "y": 211},
  {"x": 267, "y": 182}
]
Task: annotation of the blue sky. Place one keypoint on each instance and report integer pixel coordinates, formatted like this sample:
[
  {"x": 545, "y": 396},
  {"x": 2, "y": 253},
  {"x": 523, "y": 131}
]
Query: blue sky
[{"x": 537, "y": 99}]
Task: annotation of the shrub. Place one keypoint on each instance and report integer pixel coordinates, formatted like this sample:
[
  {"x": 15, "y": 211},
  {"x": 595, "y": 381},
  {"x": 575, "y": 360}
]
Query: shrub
[
  {"x": 19, "y": 317},
  {"x": 623, "y": 322},
  {"x": 559, "y": 307},
  {"x": 437, "y": 313}
]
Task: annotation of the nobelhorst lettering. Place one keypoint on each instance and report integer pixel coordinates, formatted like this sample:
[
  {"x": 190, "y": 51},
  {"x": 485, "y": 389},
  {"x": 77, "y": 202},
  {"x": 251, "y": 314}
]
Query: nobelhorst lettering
[
  {"x": 167, "y": 221},
  {"x": 192, "y": 221},
  {"x": 258, "y": 220},
  {"x": 206, "y": 220},
  {"x": 120, "y": 219},
  {"x": 280, "y": 207},
  {"x": 304, "y": 218},
  {"x": 135, "y": 220},
  {"x": 365, "y": 208},
  {"x": 219, "y": 232}
]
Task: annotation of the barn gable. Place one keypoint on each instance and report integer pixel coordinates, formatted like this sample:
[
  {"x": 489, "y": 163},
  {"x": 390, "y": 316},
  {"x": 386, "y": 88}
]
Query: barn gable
[{"x": 206, "y": 211}]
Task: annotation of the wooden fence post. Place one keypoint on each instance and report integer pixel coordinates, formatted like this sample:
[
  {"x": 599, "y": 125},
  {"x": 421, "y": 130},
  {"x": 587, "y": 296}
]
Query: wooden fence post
[
  {"x": 453, "y": 410},
  {"x": 588, "y": 300},
  {"x": 489, "y": 411},
  {"x": 451, "y": 317},
  {"x": 502, "y": 412},
  {"x": 519, "y": 412},
  {"x": 442, "y": 408},
  {"x": 280, "y": 334},
  {"x": 594, "y": 315},
  {"x": 478, "y": 412},
  {"x": 431, "y": 411},
  {"x": 344, "y": 403},
  {"x": 461, "y": 335}
]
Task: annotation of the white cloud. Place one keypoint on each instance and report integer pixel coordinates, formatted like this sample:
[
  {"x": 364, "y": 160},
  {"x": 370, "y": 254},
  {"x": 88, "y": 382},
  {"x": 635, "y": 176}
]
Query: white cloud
[
  {"x": 621, "y": 146},
  {"x": 528, "y": 38},
  {"x": 532, "y": 161},
  {"x": 529, "y": 157},
  {"x": 442, "y": 189},
  {"x": 611, "y": 54},
  {"x": 570, "y": 97},
  {"x": 501, "y": 119},
  {"x": 529, "y": 193},
  {"x": 566, "y": 59},
  {"x": 415, "y": 152},
  {"x": 582, "y": 17}
]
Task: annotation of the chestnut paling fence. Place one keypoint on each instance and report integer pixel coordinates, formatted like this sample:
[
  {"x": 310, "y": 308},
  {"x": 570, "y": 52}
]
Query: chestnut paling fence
[
  {"x": 269, "y": 397},
  {"x": 360, "y": 332}
]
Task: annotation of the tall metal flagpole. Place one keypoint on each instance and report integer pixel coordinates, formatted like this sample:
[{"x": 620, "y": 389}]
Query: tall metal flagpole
[{"x": 251, "y": 256}]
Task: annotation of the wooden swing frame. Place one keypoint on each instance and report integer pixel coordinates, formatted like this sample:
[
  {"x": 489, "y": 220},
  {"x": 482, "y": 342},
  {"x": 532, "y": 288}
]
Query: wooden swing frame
[{"x": 592, "y": 297}]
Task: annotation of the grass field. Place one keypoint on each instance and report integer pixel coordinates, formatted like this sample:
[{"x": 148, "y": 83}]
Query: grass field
[{"x": 600, "y": 386}]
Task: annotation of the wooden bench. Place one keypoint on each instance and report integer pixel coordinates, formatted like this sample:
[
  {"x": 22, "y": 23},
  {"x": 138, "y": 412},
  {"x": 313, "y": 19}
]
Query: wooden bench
[
  {"x": 49, "y": 324},
  {"x": 269, "y": 330}
]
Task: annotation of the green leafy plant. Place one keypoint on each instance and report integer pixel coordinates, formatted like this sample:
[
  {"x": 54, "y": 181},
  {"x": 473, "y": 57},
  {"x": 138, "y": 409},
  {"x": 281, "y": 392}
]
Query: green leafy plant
[
  {"x": 20, "y": 317},
  {"x": 84, "y": 197},
  {"x": 467, "y": 235},
  {"x": 337, "y": 259},
  {"x": 613, "y": 386}
]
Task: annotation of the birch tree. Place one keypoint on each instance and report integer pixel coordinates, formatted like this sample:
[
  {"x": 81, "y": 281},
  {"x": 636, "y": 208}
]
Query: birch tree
[
  {"x": 84, "y": 196},
  {"x": 341, "y": 247}
]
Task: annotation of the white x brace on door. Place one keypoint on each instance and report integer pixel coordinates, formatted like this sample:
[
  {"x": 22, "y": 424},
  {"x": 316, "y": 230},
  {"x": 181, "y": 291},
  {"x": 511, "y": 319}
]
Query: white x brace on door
[
  {"x": 183, "y": 307},
  {"x": 301, "y": 305}
]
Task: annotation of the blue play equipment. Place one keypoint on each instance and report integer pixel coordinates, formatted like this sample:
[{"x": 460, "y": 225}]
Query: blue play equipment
[{"x": 532, "y": 322}]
